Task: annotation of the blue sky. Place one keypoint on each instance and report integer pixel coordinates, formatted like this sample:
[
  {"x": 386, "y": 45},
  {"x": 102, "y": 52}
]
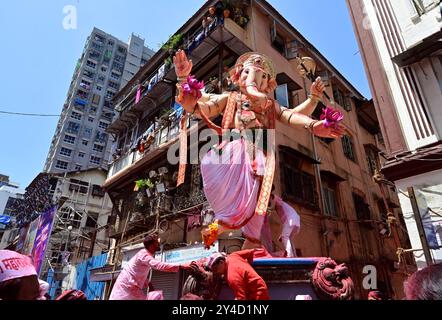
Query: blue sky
[{"x": 38, "y": 57}]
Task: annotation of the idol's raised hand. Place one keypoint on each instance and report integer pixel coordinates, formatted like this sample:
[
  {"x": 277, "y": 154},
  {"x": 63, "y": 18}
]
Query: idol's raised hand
[
  {"x": 334, "y": 132},
  {"x": 183, "y": 66},
  {"x": 317, "y": 88}
]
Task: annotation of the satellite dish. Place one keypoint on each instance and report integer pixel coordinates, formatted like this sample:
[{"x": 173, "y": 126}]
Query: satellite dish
[
  {"x": 152, "y": 174},
  {"x": 163, "y": 170}
]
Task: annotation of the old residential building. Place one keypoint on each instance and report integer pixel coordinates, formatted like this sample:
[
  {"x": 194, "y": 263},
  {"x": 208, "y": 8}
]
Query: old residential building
[
  {"x": 401, "y": 46},
  {"x": 343, "y": 211},
  {"x": 10, "y": 193}
]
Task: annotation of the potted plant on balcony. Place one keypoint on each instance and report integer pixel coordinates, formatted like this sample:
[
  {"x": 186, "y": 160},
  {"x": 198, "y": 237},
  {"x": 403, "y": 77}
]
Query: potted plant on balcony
[
  {"x": 227, "y": 8},
  {"x": 168, "y": 62},
  {"x": 173, "y": 43},
  {"x": 240, "y": 17},
  {"x": 143, "y": 187}
]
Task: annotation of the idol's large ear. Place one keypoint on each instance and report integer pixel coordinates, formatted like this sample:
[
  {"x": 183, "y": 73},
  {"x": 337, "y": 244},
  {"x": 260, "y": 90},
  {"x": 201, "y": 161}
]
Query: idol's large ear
[
  {"x": 271, "y": 86},
  {"x": 235, "y": 74}
]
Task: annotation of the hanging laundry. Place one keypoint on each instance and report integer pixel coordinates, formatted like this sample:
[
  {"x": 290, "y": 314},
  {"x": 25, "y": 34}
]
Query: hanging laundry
[{"x": 138, "y": 96}]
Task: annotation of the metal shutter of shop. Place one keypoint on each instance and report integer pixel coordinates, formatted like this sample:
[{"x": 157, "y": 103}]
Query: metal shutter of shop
[{"x": 168, "y": 282}]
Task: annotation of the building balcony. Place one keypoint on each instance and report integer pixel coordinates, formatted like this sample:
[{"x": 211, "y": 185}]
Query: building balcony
[
  {"x": 201, "y": 46},
  {"x": 163, "y": 206},
  {"x": 121, "y": 163},
  {"x": 161, "y": 139}
]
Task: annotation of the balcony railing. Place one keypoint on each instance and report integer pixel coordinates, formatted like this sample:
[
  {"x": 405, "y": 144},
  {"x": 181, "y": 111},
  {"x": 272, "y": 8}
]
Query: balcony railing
[
  {"x": 191, "y": 43},
  {"x": 121, "y": 163},
  {"x": 164, "y": 134},
  {"x": 162, "y": 205}
]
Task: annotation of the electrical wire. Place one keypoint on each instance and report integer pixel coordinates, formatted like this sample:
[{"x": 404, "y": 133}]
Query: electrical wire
[{"x": 28, "y": 114}]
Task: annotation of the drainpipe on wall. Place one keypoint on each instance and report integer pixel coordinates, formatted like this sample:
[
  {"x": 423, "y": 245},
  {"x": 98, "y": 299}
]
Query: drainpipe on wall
[
  {"x": 252, "y": 30},
  {"x": 322, "y": 206},
  {"x": 420, "y": 227}
]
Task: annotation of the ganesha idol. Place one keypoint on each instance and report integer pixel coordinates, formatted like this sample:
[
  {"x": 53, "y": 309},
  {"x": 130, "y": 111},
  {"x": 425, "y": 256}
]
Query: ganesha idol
[{"x": 239, "y": 190}]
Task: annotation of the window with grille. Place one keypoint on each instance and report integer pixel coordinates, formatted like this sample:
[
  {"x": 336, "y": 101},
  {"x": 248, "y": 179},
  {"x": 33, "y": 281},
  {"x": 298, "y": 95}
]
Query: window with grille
[
  {"x": 103, "y": 125},
  {"x": 97, "y": 191},
  {"x": 372, "y": 160},
  {"x": 91, "y": 221},
  {"x": 331, "y": 208},
  {"x": 73, "y": 127},
  {"x": 98, "y": 148},
  {"x": 277, "y": 40},
  {"x": 109, "y": 95},
  {"x": 69, "y": 139},
  {"x": 119, "y": 58},
  {"x": 117, "y": 66},
  {"x": 341, "y": 99},
  {"x": 61, "y": 165},
  {"x": 348, "y": 147},
  {"x": 76, "y": 115},
  {"x": 382, "y": 209},
  {"x": 121, "y": 50},
  {"x": 101, "y": 137},
  {"x": 113, "y": 85},
  {"x": 115, "y": 76},
  {"x": 347, "y": 104},
  {"x": 338, "y": 96},
  {"x": 298, "y": 186},
  {"x": 89, "y": 74},
  {"x": 66, "y": 152},
  {"x": 108, "y": 104},
  {"x": 362, "y": 208},
  {"x": 95, "y": 160},
  {"x": 422, "y": 6},
  {"x": 87, "y": 132},
  {"x": 91, "y": 64},
  {"x": 78, "y": 185}
]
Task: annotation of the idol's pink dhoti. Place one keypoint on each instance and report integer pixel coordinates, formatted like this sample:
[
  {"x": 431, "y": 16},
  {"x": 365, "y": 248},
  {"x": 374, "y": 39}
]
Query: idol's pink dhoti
[{"x": 232, "y": 187}]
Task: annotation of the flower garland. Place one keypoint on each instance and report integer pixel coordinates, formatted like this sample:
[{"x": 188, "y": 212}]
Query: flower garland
[
  {"x": 210, "y": 235},
  {"x": 192, "y": 86}
]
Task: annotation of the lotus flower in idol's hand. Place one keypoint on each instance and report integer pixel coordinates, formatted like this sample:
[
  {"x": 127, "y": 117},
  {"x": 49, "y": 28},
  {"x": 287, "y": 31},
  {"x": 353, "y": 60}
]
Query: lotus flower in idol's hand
[{"x": 332, "y": 117}]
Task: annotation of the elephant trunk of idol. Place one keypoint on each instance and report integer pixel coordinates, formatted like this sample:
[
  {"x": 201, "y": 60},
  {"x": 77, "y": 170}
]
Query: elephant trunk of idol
[{"x": 252, "y": 90}]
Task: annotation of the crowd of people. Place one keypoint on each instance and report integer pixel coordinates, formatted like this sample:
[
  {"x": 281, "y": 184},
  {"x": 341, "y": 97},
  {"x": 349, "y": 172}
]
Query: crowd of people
[{"x": 19, "y": 280}]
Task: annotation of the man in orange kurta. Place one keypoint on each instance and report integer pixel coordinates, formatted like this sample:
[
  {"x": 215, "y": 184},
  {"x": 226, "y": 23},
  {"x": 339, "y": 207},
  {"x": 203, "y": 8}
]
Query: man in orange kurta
[{"x": 245, "y": 282}]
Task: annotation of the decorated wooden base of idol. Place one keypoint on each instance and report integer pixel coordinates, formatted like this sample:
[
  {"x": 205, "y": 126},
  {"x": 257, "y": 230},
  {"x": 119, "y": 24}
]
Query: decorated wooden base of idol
[{"x": 240, "y": 191}]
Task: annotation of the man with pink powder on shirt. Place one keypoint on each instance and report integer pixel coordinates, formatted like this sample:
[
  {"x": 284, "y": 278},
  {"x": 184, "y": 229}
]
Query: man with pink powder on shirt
[{"x": 133, "y": 280}]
